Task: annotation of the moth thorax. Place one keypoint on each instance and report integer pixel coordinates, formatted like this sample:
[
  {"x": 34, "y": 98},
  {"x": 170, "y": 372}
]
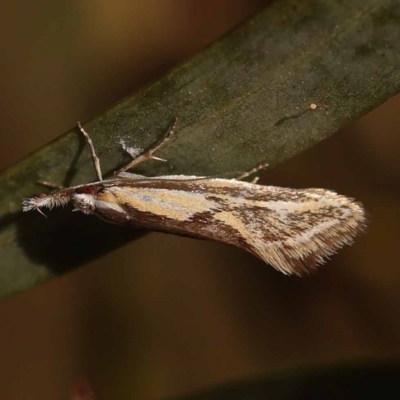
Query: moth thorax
[{"x": 83, "y": 202}]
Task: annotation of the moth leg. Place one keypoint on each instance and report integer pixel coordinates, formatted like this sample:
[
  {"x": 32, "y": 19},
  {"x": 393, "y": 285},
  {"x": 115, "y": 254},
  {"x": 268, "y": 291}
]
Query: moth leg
[
  {"x": 51, "y": 185},
  {"x": 251, "y": 172},
  {"x": 95, "y": 159},
  {"x": 148, "y": 155},
  {"x": 130, "y": 176}
]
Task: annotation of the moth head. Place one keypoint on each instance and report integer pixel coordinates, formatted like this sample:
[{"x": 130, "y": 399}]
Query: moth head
[{"x": 83, "y": 199}]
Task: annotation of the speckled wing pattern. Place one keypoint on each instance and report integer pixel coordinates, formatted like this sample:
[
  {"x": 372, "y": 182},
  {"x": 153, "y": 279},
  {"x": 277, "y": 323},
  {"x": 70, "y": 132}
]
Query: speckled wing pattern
[{"x": 293, "y": 230}]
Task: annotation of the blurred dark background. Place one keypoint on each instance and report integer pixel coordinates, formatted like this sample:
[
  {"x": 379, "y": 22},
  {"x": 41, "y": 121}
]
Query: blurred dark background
[{"x": 165, "y": 316}]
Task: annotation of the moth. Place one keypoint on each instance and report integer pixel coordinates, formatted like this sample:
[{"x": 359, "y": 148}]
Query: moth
[{"x": 293, "y": 230}]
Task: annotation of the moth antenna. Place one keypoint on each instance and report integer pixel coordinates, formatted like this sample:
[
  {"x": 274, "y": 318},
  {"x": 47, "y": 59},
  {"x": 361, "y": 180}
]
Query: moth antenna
[
  {"x": 251, "y": 172},
  {"x": 95, "y": 159}
]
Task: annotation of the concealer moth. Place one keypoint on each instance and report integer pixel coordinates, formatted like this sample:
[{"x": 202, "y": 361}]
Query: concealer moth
[{"x": 293, "y": 230}]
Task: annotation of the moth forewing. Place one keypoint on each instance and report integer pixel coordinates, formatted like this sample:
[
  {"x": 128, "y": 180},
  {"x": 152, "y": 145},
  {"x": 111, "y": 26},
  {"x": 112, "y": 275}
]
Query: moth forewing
[{"x": 292, "y": 230}]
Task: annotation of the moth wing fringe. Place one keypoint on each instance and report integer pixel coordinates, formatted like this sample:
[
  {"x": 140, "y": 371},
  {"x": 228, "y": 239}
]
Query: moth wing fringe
[{"x": 304, "y": 259}]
